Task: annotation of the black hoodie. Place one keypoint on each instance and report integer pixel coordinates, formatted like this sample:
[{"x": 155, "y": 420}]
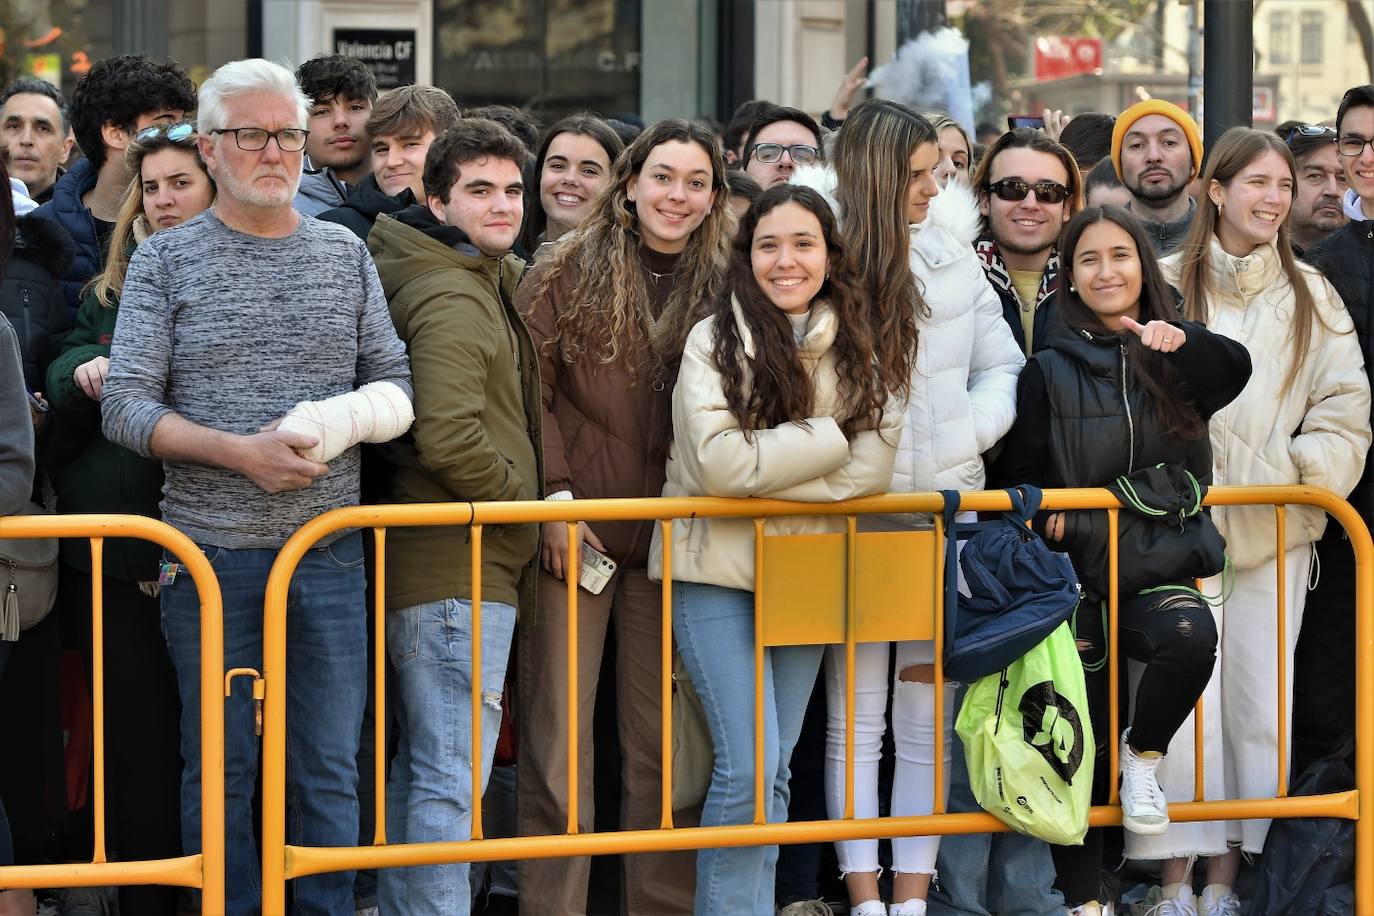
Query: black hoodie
[{"x": 365, "y": 202}]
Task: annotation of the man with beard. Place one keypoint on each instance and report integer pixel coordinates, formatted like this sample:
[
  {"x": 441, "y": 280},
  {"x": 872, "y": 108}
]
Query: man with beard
[
  {"x": 226, "y": 324},
  {"x": 342, "y": 91},
  {"x": 1317, "y": 210},
  {"x": 1028, "y": 187},
  {"x": 1157, "y": 151}
]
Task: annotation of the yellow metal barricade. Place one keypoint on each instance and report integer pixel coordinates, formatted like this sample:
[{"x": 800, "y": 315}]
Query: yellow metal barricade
[
  {"x": 206, "y": 869},
  {"x": 853, "y": 576}
]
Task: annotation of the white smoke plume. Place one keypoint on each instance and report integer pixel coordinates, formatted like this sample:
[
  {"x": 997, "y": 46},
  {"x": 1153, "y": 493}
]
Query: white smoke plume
[{"x": 930, "y": 73}]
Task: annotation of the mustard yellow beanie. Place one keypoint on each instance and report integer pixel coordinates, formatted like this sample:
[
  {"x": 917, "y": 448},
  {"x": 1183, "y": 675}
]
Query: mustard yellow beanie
[{"x": 1160, "y": 107}]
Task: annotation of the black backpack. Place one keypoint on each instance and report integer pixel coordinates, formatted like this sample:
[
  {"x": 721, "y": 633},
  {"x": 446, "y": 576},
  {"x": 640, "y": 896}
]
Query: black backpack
[{"x": 1308, "y": 861}]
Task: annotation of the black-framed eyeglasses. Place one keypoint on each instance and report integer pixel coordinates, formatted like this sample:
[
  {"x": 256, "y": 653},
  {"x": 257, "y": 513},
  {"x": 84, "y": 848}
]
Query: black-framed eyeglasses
[
  {"x": 177, "y": 133},
  {"x": 1311, "y": 132},
  {"x": 252, "y": 139},
  {"x": 1014, "y": 189},
  {"x": 771, "y": 152},
  {"x": 1351, "y": 145}
]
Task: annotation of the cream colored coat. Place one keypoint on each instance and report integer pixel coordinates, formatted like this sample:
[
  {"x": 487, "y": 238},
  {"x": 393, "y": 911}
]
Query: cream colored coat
[
  {"x": 811, "y": 462},
  {"x": 1316, "y": 433}
]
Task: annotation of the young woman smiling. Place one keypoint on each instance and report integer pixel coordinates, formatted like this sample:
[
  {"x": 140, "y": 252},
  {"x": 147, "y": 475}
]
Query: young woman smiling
[
  {"x": 1121, "y": 384},
  {"x": 944, "y": 349},
  {"x": 169, "y": 187},
  {"x": 956, "y": 153},
  {"x": 778, "y": 396},
  {"x": 574, "y": 166},
  {"x": 1302, "y": 419},
  {"x": 609, "y": 310}
]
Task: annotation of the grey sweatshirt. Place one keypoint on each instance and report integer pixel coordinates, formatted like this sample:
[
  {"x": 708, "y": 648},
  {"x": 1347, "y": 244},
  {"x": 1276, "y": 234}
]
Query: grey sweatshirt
[
  {"x": 230, "y": 331},
  {"x": 16, "y": 427}
]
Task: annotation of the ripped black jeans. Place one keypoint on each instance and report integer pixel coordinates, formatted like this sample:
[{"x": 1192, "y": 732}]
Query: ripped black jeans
[{"x": 1174, "y": 633}]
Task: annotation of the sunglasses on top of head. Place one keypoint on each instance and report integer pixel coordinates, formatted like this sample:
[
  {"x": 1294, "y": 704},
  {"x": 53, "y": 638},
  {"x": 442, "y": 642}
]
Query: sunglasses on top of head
[
  {"x": 1014, "y": 189},
  {"x": 174, "y": 132}
]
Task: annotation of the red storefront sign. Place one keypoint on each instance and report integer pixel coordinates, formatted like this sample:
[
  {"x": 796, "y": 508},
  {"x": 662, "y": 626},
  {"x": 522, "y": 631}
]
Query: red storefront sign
[{"x": 1057, "y": 57}]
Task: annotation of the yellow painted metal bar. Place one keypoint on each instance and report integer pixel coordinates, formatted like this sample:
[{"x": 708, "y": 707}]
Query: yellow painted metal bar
[
  {"x": 760, "y": 815},
  {"x": 312, "y": 860},
  {"x": 665, "y": 695},
  {"x": 1199, "y": 782},
  {"x": 1113, "y": 656},
  {"x": 98, "y": 692},
  {"x": 379, "y": 687},
  {"x": 571, "y": 568},
  {"x": 205, "y": 870},
  {"x": 274, "y": 676},
  {"x": 1357, "y": 804},
  {"x": 475, "y": 817},
  {"x": 183, "y": 871},
  {"x": 1281, "y": 643},
  {"x": 939, "y": 605},
  {"x": 850, "y": 632}
]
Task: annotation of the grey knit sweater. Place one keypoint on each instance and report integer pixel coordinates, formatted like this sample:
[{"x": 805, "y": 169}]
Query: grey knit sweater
[{"x": 231, "y": 330}]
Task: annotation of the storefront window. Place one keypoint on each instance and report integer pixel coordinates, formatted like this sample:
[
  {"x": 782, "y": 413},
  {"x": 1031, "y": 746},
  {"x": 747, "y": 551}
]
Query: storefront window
[
  {"x": 550, "y": 56},
  {"x": 58, "y": 40}
]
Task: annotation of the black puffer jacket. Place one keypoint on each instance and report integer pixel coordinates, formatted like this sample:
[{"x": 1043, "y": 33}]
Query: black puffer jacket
[
  {"x": 365, "y": 202},
  {"x": 1347, "y": 259},
  {"x": 31, "y": 296},
  {"x": 1082, "y": 419}
]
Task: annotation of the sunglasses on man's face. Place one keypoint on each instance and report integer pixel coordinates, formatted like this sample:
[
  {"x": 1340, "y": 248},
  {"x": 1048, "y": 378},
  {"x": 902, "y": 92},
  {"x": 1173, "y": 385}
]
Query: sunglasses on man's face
[
  {"x": 771, "y": 152},
  {"x": 1014, "y": 189}
]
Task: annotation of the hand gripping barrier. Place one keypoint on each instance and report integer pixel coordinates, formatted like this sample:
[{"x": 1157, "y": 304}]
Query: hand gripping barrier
[
  {"x": 856, "y": 573},
  {"x": 204, "y": 870}
]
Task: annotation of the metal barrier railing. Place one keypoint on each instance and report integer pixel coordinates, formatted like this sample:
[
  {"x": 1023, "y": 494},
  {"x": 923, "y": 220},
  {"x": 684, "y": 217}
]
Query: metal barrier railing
[
  {"x": 204, "y": 870},
  {"x": 282, "y": 862}
]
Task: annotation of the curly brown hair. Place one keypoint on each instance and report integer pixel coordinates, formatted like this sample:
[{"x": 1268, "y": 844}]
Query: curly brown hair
[
  {"x": 608, "y": 319},
  {"x": 773, "y": 387}
]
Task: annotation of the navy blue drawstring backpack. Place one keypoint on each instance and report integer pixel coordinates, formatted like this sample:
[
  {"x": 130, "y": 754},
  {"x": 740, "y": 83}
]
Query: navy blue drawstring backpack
[{"x": 1019, "y": 589}]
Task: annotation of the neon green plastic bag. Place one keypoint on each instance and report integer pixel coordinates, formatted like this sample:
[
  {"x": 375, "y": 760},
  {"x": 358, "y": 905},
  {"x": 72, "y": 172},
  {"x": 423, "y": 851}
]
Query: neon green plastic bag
[{"x": 1029, "y": 742}]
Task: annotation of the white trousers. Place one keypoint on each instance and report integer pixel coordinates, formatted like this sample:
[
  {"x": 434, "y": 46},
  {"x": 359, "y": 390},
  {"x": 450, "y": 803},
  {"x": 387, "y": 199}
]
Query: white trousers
[
  {"x": 1239, "y": 711},
  {"x": 913, "y": 732}
]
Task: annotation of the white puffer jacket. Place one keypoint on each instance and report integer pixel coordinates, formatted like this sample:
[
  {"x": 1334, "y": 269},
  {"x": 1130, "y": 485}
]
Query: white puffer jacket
[
  {"x": 963, "y": 390},
  {"x": 1316, "y": 433},
  {"x": 711, "y": 456}
]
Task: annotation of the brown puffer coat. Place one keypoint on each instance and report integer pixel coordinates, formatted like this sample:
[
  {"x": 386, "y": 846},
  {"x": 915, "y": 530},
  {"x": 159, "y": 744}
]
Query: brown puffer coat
[{"x": 606, "y": 429}]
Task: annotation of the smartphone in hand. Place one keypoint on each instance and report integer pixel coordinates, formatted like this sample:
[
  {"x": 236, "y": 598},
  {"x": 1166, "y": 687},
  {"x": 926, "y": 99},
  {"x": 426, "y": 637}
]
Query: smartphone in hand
[{"x": 1015, "y": 121}]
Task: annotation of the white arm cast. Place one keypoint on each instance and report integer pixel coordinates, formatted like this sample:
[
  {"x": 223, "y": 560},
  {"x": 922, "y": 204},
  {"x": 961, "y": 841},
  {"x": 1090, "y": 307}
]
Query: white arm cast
[{"x": 376, "y": 412}]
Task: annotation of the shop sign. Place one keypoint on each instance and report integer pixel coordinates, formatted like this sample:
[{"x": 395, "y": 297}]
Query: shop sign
[{"x": 388, "y": 53}]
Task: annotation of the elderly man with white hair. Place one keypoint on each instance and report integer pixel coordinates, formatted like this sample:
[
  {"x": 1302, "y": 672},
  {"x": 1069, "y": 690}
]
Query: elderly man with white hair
[{"x": 243, "y": 338}]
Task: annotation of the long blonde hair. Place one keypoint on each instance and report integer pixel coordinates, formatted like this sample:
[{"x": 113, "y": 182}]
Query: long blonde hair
[
  {"x": 1236, "y": 149},
  {"x": 607, "y": 317},
  {"x": 109, "y": 283},
  {"x": 872, "y": 159}
]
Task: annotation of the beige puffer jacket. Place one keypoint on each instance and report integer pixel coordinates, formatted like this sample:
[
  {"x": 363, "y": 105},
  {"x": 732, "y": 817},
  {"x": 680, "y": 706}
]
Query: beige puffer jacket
[
  {"x": 1316, "y": 433},
  {"x": 711, "y": 456}
]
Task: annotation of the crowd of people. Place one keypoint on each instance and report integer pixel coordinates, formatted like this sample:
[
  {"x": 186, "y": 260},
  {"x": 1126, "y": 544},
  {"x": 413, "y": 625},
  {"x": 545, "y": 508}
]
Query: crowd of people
[{"x": 312, "y": 294}]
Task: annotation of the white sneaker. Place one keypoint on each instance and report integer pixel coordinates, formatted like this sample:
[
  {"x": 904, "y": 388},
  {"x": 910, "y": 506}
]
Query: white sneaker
[
  {"x": 1144, "y": 809},
  {"x": 1092, "y": 908},
  {"x": 869, "y": 908},
  {"x": 913, "y": 907},
  {"x": 1218, "y": 900},
  {"x": 1180, "y": 903}
]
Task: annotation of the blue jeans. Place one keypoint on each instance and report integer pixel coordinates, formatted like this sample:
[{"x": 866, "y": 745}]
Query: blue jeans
[
  {"x": 326, "y": 659},
  {"x": 714, "y": 628},
  {"x": 429, "y": 791},
  {"x": 981, "y": 873}
]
